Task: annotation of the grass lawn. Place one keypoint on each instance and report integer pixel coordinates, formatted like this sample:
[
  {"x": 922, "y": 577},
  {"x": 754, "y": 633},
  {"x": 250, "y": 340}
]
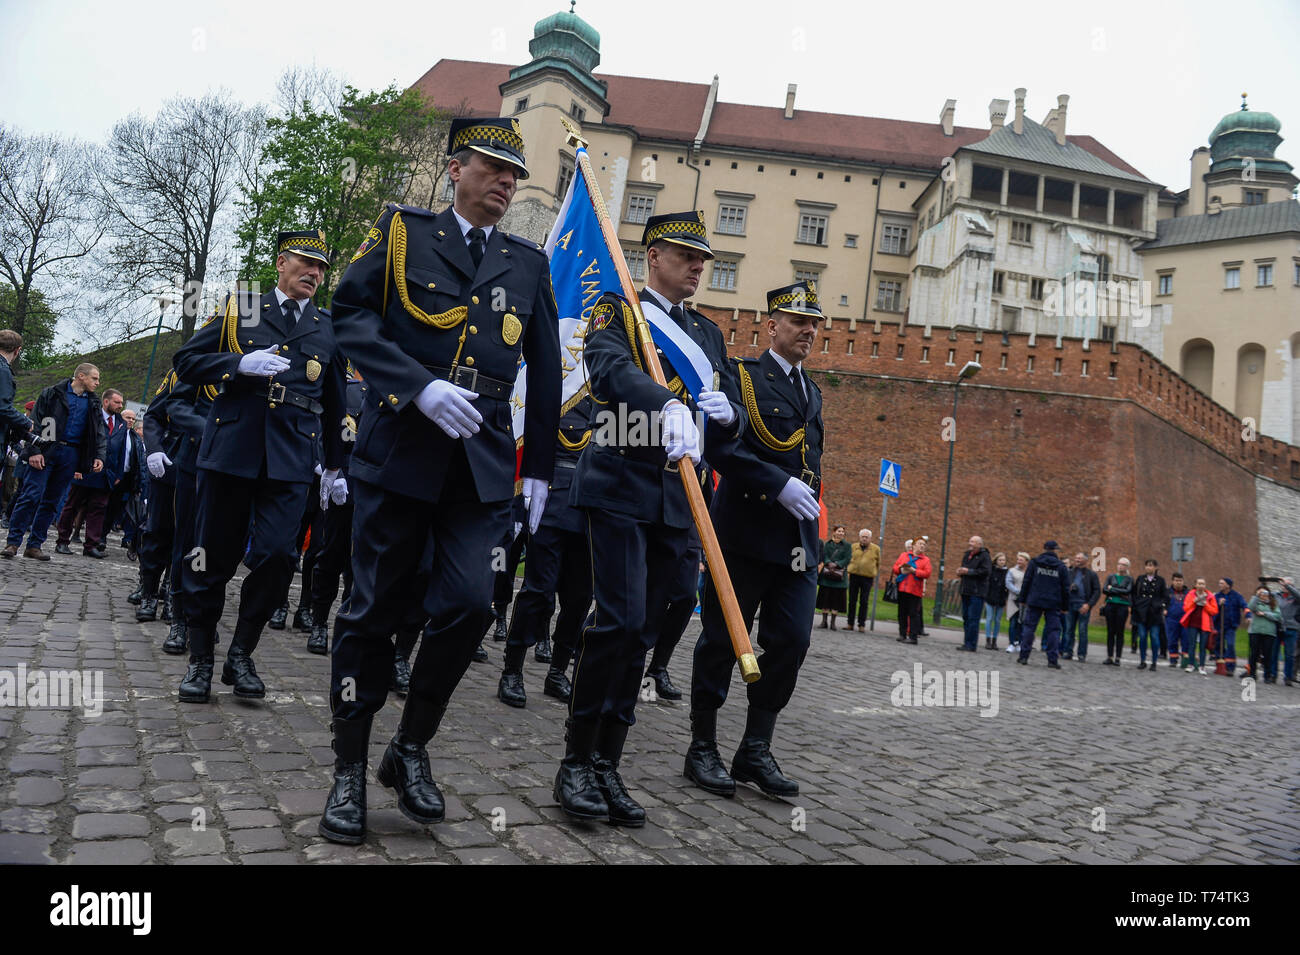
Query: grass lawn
[{"x": 120, "y": 366}]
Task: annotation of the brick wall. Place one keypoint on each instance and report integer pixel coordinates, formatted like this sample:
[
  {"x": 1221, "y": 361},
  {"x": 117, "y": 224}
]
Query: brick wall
[{"x": 1123, "y": 459}]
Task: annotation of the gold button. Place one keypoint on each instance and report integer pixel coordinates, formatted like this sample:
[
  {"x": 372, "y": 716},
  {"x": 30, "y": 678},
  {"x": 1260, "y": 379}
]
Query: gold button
[
  {"x": 762, "y": 497},
  {"x": 271, "y": 404},
  {"x": 512, "y": 308},
  {"x": 313, "y": 434},
  {"x": 225, "y": 377},
  {"x": 392, "y": 399},
  {"x": 433, "y": 285},
  {"x": 474, "y": 299},
  {"x": 218, "y": 421},
  {"x": 469, "y": 360},
  {"x": 250, "y": 341},
  {"x": 473, "y": 329},
  {"x": 284, "y": 348}
]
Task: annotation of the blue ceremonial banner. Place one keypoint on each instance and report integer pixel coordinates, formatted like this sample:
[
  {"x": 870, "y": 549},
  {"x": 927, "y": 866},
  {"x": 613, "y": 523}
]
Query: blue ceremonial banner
[{"x": 581, "y": 268}]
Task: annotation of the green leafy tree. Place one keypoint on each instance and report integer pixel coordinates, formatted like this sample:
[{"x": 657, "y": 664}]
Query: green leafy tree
[
  {"x": 334, "y": 168},
  {"x": 39, "y": 330}
]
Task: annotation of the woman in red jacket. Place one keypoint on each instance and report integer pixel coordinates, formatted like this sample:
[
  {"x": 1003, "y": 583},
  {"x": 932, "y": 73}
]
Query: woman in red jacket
[
  {"x": 1199, "y": 608},
  {"x": 910, "y": 571}
]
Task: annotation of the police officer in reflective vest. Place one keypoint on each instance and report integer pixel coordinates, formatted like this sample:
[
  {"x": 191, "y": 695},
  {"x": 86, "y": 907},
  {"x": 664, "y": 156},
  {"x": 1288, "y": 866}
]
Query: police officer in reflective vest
[
  {"x": 637, "y": 513},
  {"x": 765, "y": 512},
  {"x": 436, "y": 312},
  {"x": 277, "y": 415}
]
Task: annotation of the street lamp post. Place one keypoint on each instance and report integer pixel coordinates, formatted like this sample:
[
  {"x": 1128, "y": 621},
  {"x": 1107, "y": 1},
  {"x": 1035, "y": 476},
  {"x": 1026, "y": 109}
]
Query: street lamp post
[
  {"x": 968, "y": 370},
  {"x": 163, "y": 302}
]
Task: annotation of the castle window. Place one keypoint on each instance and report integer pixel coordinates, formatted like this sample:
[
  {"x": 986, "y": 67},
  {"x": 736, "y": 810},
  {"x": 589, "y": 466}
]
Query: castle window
[{"x": 521, "y": 104}]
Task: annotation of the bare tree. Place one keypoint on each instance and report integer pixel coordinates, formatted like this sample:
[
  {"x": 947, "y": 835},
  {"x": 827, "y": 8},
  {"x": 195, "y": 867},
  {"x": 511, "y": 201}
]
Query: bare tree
[
  {"x": 47, "y": 217},
  {"x": 169, "y": 186}
]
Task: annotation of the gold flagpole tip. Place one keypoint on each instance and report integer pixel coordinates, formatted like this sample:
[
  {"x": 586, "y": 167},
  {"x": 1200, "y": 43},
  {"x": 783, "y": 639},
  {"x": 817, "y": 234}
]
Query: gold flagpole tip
[
  {"x": 749, "y": 668},
  {"x": 575, "y": 134}
]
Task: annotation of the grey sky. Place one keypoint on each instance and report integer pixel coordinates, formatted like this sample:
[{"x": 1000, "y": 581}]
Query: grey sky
[{"x": 1148, "y": 79}]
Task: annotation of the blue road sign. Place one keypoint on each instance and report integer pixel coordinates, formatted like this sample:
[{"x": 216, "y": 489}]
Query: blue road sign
[{"x": 890, "y": 475}]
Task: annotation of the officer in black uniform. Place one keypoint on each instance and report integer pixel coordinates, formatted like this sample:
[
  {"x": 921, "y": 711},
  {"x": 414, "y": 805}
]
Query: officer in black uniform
[
  {"x": 637, "y": 512},
  {"x": 559, "y": 564},
  {"x": 436, "y": 312},
  {"x": 155, "y": 550},
  {"x": 765, "y": 512},
  {"x": 279, "y": 373},
  {"x": 334, "y": 560},
  {"x": 503, "y": 583},
  {"x": 173, "y": 428}
]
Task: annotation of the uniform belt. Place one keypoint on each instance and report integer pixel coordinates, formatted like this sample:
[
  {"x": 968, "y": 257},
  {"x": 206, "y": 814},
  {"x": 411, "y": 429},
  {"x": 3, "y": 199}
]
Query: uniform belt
[
  {"x": 278, "y": 394},
  {"x": 469, "y": 378},
  {"x": 814, "y": 481}
]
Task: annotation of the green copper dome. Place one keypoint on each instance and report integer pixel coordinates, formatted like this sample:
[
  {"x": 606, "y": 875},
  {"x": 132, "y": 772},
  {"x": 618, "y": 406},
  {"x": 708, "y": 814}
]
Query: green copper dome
[
  {"x": 1245, "y": 133},
  {"x": 566, "y": 36},
  {"x": 568, "y": 22}
]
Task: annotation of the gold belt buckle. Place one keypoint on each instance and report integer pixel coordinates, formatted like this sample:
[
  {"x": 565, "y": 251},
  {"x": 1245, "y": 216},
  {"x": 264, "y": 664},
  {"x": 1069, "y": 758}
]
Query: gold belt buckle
[
  {"x": 808, "y": 477},
  {"x": 271, "y": 397},
  {"x": 472, "y": 374}
]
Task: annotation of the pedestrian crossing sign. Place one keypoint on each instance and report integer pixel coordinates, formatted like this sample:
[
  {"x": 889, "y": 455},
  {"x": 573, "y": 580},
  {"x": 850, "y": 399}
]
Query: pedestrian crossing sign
[{"x": 889, "y": 477}]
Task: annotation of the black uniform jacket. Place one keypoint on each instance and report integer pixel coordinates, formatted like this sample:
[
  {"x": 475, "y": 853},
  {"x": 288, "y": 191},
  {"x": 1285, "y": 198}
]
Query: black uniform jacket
[{"x": 411, "y": 308}]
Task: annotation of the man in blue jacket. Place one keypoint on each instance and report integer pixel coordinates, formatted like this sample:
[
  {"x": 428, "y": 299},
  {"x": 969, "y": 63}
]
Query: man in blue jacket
[
  {"x": 1231, "y": 606},
  {"x": 90, "y": 492},
  {"x": 1085, "y": 589},
  {"x": 1045, "y": 593},
  {"x": 71, "y": 438}
]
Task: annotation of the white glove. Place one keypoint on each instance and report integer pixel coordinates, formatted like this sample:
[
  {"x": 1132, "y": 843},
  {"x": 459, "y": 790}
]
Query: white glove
[
  {"x": 798, "y": 498},
  {"x": 536, "y": 492},
  {"x": 448, "y": 406},
  {"x": 264, "y": 363},
  {"x": 680, "y": 437},
  {"x": 157, "y": 463},
  {"x": 333, "y": 489},
  {"x": 716, "y": 406}
]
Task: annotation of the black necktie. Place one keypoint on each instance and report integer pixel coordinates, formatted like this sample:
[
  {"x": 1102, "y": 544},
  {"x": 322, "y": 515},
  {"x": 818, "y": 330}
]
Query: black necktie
[
  {"x": 477, "y": 243},
  {"x": 797, "y": 381},
  {"x": 291, "y": 311},
  {"x": 678, "y": 316}
]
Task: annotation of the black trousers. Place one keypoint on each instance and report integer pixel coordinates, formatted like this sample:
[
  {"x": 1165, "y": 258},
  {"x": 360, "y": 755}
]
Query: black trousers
[
  {"x": 182, "y": 539},
  {"x": 312, "y": 520},
  {"x": 333, "y": 559},
  {"x": 559, "y": 565},
  {"x": 503, "y": 581},
  {"x": 1116, "y": 615},
  {"x": 389, "y": 535},
  {"x": 784, "y": 633},
  {"x": 155, "y": 548},
  {"x": 681, "y": 606},
  {"x": 909, "y": 615},
  {"x": 229, "y": 513},
  {"x": 637, "y": 563},
  {"x": 859, "y": 597}
]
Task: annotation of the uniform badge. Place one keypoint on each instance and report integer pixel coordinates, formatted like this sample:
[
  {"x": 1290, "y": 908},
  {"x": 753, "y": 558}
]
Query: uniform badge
[
  {"x": 373, "y": 238},
  {"x": 511, "y": 329},
  {"x": 601, "y": 316},
  {"x": 717, "y": 381},
  {"x": 313, "y": 369}
]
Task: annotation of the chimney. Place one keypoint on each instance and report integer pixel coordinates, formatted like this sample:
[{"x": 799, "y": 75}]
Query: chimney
[
  {"x": 1062, "y": 102},
  {"x": 1019, "y": 125},
  {"x": 1196, "y": 189},
  {"x": 946, "y": 116},
  {"x": 789, "y": 100},
  {"x": 997, "y": 114},
  {"x": 1049, "y": 121}
]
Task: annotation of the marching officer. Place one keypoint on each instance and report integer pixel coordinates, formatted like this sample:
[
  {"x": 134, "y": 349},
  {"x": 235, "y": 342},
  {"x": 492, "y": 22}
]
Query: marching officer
[
  {"x": 279, "y": 375},
  {"x": 638, "y": 518},
  {"x": 436, "y": 311},
  {"x": 559, "y": 565},
  {"x": 765, "y": 512},
  {"x": 334, "y": 560},
  {"x": 173, "y": 428}
]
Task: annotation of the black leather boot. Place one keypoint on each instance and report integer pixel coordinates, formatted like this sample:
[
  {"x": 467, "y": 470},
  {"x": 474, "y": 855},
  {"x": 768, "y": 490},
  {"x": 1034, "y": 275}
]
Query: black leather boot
[
  {"x": 197, "y": 685},
  {"x": 403, "y": 643},
  {"x": 147, "y": 612},
  {"x": 177, "y": 638},
  {"x": 344, "y": 818},
  {"x": 704, "y": 765},
  {"x": 480, "y": 653},
  {"x": 557, "y": 677},
  {"x": 576, "y": 788},
  {"x": 138, "y": 594},
  {"x": 405, "y": 766},
  {"x": 165, "y": 602},
  {"x": 623, "y": 809},
  {"x": 542, "y": 652},
  {"x": 279, "y": 616},
  {"x": 753, "y": 762},
  {"x": 663, "y": 683},
  {"x": 499, "y": 632},
  {"x": 510, "y": 689},
  {"x": 239, "y": 671},
  {"x": 303, "y": 619},
  {"x": 319, "y": 641}
]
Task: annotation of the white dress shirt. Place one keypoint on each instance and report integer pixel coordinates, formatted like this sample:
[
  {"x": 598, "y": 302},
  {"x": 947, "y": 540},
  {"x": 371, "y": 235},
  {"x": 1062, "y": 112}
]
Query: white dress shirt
[
  {"x": 785, "y": 370},
  {"x": 282, "y": 298},
  {"x": 466, "y": 225}
]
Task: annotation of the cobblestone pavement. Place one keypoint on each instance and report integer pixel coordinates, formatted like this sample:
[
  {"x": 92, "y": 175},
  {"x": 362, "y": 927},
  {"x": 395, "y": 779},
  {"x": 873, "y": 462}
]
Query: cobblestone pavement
[{"x": 1171, "y": 767}]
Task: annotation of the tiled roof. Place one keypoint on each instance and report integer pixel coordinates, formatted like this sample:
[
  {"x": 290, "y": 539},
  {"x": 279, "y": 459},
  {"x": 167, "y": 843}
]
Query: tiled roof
[
  {"x": 1239, "y": 222},
  {"x": 669, "y": 110},
  {"x": 1038, "y": 144}
]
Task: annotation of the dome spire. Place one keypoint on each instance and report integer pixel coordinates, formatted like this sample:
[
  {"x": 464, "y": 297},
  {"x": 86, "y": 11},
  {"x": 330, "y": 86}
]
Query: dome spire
[{"x": 1243, "y": 102}]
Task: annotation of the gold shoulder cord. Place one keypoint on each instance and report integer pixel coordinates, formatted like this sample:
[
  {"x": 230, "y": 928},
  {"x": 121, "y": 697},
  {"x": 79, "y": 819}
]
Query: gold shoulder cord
[
  {"x": 229, "y": 340},
  {"x": 575, "y": 445},
  {"x": 443, "y": 320},
  {"x": 629, "y": 325},
  {"x": 795, "y": 440}
]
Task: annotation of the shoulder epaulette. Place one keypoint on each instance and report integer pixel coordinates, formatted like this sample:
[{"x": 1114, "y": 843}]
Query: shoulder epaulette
[
  {"x": 740, "y": 359},
  {"x": 409, "y": 210},
  {"x": 526, "y": 243}
]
